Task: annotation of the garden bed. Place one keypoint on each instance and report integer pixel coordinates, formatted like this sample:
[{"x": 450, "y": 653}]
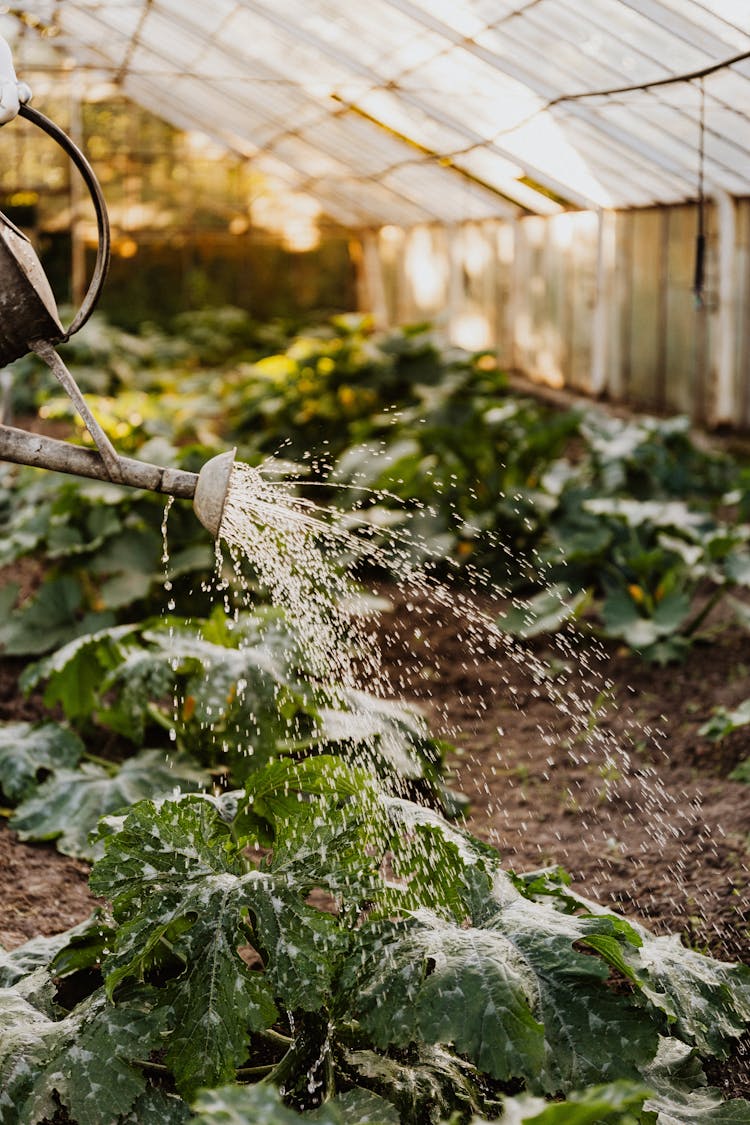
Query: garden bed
[
  {"x": 637, "y": 808},
  {"x": 575, "y": 754}
]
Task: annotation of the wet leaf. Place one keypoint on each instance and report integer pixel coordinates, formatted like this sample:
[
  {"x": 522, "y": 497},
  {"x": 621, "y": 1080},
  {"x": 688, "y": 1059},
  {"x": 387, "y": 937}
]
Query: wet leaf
[
  {"x": 86, "y": 1060},
  {"x": 618, "y": 1103},
  {"x": 28, "y": 750},
  {"x": 511, "y": 993},
  {"x": 250, "y": 1105},
  {"x": 175, "y": 877},
  {"x": 707, "y": 1001},
  {"x": 68, "y": 805}
]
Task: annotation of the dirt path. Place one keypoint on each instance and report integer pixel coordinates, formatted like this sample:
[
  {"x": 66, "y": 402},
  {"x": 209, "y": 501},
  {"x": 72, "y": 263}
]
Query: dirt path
[{"x": 608, "y": 778}]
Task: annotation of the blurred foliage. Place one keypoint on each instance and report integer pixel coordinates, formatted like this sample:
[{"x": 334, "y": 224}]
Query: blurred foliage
[
  {"x": 192, "y": 225},
  {"x": 637, "y": 529}
]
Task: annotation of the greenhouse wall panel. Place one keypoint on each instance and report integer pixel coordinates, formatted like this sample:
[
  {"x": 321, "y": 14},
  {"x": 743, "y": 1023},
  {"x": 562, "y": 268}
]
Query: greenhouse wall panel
[
  {"x": 647, "y": 322},
  {"x": 597, "y": 303},
  {"x": 742, "y": 336},
  {"x": 685, "y": 331}
]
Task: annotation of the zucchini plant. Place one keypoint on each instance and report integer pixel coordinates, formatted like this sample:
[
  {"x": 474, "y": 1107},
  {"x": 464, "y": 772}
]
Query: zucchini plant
[
  {"x": 211, "y": 701},
  {"x": 363, "y": 957}
]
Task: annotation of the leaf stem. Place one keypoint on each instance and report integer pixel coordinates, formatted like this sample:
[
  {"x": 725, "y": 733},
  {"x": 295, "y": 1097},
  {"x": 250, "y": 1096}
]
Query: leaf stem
[
  {"x": 111, "y": 767},
  {"x": 275, "y": 1036},
  {"x": 702, "y": 614},
  {"x": 146, "y": 1064},
  {"x": 242, "y": 1072}
]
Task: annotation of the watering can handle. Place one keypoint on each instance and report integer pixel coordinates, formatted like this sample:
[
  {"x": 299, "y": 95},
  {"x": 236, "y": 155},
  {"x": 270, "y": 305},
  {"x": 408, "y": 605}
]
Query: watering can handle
[{"x": 102, "y": 219}]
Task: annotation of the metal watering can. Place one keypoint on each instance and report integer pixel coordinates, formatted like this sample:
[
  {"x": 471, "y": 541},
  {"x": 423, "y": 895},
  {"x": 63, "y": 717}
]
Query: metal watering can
[{"x": 29, "y": 321}]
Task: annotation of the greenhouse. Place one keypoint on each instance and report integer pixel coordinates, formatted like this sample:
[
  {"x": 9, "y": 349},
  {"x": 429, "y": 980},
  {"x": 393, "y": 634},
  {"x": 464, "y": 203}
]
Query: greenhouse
[{"x": 375, "y": 562}]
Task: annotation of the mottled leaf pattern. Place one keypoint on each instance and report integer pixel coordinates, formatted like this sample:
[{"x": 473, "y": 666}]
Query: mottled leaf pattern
[
  {"x": 513, "y": 995},
  {"x": 708, "y": 1001},
  {"x": 175, "y": 877},
  {"x": 86, "y": 1059},
  {"x": 28, "y": 751}
]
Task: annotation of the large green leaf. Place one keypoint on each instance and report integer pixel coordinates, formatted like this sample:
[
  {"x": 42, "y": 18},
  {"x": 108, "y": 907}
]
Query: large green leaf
[
  {"x": 52, "y": 617},
  {"x": 175, "y": 877},
  {"x": 673, "y": 514},
  {"x": 512, "y": 993},
  {"x": 545, "y": 612},
  {"x": 442, "y": 983},
  {"x": 427, "y": 1085},
  {"x": 707, "y": 1001},
  {"x": 128, "y": 567},
  {"x": 253, "y": 1105},
  {"x": 680, "y": 1095},
  {"x": 275, "y": 796},
  {"x": 74, "y": 673},
  {"x": 262, "y": 1105},
  {"x": 243, "y": 700},
  {"x": 68, "y": 805},
  {"x": 40, "y": 952},
  {"x": 86, "y": 1060},
  {"x": 623, "y": 618},
  {"x": 156, "y": 1107},
  {"x": 28, "y": 750},
  {"x": 575, "y": 1000},
  {"x": 618, "y": 1103},
  {"x": 438, "y": 865}
]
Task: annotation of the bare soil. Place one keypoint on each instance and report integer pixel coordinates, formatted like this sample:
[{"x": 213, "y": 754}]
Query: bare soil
[
  {"x": 571, "y": 753},
  {"x": 579, "y": 754}
]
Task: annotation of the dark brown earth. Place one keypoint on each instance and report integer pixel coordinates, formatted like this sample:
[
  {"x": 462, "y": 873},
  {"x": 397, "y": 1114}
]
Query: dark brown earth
[
  {"x": 622, "y": 790},
  {"x": 598, "y": 767},
  {"x": 572, "y": 754}
]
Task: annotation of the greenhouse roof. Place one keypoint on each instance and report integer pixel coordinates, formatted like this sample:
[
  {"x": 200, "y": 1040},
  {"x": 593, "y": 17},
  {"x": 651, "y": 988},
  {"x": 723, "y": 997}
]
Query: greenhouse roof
[{"x": 409, "y": 111}]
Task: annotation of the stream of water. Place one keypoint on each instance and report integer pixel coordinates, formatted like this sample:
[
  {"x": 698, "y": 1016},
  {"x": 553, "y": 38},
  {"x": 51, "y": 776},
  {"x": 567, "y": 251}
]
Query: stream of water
[{"x": 295, "y": 550}]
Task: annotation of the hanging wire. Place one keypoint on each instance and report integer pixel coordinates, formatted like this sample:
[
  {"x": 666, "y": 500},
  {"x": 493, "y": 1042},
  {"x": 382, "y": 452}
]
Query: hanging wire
[
  {"x": 700, "y": 244},
  {"x": 287, "y": 127}
]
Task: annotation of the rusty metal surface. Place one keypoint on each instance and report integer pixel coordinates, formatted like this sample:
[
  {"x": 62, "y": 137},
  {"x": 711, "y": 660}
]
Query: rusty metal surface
[
  {"x": 27, "y": 305},
  {"x": 24, "y": 448}
]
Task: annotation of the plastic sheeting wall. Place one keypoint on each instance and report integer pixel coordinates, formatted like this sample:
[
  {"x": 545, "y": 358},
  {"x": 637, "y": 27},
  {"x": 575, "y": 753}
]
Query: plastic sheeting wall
[{"x": 597, "y": 303}]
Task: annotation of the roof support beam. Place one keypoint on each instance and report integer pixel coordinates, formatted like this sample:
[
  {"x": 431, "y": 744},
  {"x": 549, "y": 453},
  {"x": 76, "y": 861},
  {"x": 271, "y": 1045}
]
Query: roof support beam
[
  {"x": 182, "y": 117},
  {"x": 533, "y": 81},
  {"x": 310, "y": 183},
  {"x": 456, "y": 125},
  {"x": 681, "y": 167}
]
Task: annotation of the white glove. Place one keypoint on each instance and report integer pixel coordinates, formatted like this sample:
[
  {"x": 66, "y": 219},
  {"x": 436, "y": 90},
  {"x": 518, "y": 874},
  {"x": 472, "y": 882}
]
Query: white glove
[{"x": 12, "y": 92}]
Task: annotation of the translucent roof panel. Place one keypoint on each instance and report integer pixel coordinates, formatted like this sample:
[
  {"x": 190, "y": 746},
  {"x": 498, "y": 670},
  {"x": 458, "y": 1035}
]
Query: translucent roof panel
[{"x": 406, "y": 111}]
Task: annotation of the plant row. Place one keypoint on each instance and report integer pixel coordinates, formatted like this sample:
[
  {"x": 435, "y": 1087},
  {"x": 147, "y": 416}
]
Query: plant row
[
  {"x": 313, "y": 945},
  {"x": 628, "y": 524},
  {"x": 295, "y": 926}
]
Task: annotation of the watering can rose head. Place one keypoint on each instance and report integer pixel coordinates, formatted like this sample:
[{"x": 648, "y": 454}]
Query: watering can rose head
[{"x": 13, "y": 93}]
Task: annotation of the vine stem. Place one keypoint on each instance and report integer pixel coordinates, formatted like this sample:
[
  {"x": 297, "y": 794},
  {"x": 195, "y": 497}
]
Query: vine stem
[
  {"x": 242, "y": 1072},
  {"x": 110, "y": 767},
  {"x": 275, "y": 1036},
  {"x": 702, "y": 614}
]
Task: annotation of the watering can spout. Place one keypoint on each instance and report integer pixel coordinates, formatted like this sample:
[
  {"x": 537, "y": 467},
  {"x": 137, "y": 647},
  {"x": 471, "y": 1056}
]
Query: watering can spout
[
  {"x": 211, "y": 490},
  {"x": 207, "y": 489}
]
